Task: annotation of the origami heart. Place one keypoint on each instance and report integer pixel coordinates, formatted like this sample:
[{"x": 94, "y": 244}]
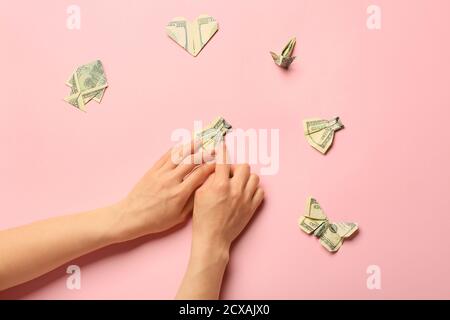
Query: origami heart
[{"x": 192, "y": 35}]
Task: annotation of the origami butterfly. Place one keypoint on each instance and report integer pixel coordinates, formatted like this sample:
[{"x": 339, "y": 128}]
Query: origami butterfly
[{"x": 331, "y": 235}]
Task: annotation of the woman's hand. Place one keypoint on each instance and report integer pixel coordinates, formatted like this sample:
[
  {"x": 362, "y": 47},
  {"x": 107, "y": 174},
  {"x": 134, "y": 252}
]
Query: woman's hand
[
  {"x": 163, "y": 198},
  {"x": 223, "y": 206}
]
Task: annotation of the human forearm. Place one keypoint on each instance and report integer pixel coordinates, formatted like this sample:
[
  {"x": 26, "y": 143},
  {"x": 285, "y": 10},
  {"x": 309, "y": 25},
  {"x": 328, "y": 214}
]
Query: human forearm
[
  {"x": 203, "y": 278},
  {"x": 29, "y": 251},
  {"x": 162, "y": 199}
]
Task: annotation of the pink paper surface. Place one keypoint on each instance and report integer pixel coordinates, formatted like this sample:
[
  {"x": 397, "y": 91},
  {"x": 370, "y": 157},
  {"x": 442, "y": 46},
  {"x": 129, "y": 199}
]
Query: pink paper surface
[{"x": 388, "y": 169}]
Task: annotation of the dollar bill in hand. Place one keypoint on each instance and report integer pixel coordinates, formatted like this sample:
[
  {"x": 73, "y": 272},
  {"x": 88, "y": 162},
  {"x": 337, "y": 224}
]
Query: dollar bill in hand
[
  {"x": 88, "y": 82},
  {"x": 285, "y": 59},
  {"x": 192, "y": 35},
  {"x": 331, "y": 234},
  {"x": 320, "y": 133}
]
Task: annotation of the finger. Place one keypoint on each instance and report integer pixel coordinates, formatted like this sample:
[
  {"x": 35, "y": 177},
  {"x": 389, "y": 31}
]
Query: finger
[
  {"x": 241, "y": 173},
  {"x": 192, "y": 161},
  {"x": 222, "y": 163},
  {"x": 258, "y": 198},
  {"x": 179, "y": 153},
  {"x": 197, "y": 177},
  {"x": 158, "y": 164},
  {"x": 252, "y": 185}
]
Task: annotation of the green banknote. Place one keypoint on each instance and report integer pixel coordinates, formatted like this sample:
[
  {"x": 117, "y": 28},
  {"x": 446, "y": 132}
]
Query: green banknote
[
  {"x": 285, "y": 59},
  {"x": 331, "y": 234},
  {"x": 88, "y": 82}
]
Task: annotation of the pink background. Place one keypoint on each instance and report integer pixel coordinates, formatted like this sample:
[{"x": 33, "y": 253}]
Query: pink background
[{"x": 388, "y": 170}]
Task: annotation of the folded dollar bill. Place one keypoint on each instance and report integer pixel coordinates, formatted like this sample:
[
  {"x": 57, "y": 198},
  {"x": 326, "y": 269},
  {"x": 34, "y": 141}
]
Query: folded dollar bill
[
  {"x": 331, "y": 234},
  {"x": 211, "y": 135},
  {"x": 320, "y": 133},
  {"x": 192, "y": 35},
  {"x": 87, "y": 82},
  {"x": 285, "y": 58}
]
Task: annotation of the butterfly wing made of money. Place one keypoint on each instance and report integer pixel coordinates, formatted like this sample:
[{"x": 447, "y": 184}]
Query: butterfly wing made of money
[
  {"x": 331, "y": 235},
  {"x": 335, "y": 233},
  {"x": 313, "y": 218}
]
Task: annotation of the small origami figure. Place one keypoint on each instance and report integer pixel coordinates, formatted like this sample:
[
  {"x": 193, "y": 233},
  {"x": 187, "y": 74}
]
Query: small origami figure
[
  {"x": 214, "y": 133},
  {"x": 285, "y": 59},
  {"x": 87, "y": 82},
  {"x": 192, "y": 35},
  {"x": 331, "y": 234},
  {"x": 320, "y": 133}
]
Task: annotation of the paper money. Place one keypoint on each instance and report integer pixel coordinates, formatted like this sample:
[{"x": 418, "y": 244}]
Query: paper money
[
  {"x": 88, "y": 82},
  {"x": 211, "y": 135},
  {"x": 331, "y": 234},
  {"x": 285, "y": 58},
  {"x": 320, "y": 133},
  {"x": 192, "y": 35}
]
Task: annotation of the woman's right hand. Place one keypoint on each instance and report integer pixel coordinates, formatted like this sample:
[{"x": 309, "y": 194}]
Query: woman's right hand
[{"x": 224, "y": 204}]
